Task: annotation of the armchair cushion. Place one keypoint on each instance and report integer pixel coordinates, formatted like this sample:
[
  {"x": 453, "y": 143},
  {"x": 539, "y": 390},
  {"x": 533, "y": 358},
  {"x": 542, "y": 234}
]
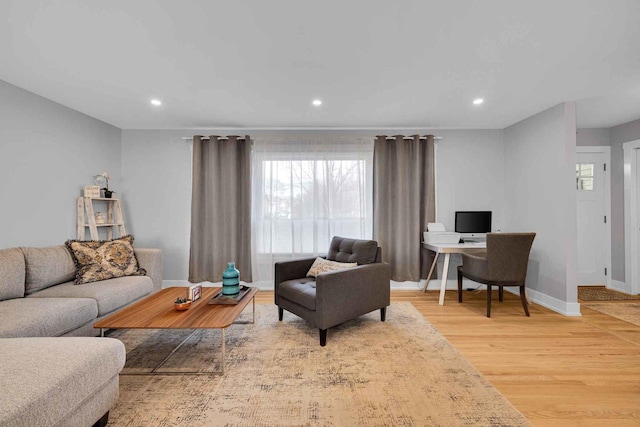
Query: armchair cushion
[
  {"x": 321, "y": 265},
  {"x": 352, "y": 250},
  {"x": 301, "y": 291}
]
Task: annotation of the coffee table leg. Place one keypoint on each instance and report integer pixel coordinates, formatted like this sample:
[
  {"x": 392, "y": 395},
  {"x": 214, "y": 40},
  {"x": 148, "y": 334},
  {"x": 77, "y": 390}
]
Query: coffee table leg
[
  {"x": 222, "y": 361},
  {"x": 178, "y": 348}
]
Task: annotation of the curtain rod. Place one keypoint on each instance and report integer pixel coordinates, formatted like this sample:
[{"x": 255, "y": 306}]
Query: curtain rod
[{"x": 189, "y": 138}]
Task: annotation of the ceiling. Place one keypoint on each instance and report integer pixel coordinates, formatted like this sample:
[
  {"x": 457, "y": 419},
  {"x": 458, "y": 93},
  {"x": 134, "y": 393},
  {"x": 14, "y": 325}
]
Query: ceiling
[{"x": 374, "y": 63}]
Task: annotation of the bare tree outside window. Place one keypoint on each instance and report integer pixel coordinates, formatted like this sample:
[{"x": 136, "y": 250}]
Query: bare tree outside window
[{"x": 304, "y": 192}]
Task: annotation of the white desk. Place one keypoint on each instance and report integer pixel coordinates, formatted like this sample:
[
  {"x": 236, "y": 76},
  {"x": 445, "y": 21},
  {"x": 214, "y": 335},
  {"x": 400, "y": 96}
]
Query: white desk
[{"x": 447, "y": 250}]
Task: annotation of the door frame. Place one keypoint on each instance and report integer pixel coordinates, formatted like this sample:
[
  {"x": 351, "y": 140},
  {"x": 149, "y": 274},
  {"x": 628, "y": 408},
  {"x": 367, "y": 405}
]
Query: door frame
[
  {"x": 606, "y": 150},
  {"x": 631, "y": 225}
]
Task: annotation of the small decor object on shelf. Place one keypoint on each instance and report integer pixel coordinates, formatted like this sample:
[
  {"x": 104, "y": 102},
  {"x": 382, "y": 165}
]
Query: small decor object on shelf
[
  {"x": 104, "y": 177},
  {"x": 231, "y": 280},
  {"x": 182, "y": 304},
  {"x": 194, "y": 292},
  {"x": 92, "y": 191},
  {"x": 99, "y": 218}
]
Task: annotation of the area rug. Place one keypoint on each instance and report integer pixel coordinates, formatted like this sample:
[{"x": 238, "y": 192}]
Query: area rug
[
  {"x": 627, "y": 311},
  {"x": 600, "y": 293},
  {"x": 401, "y": 372}
]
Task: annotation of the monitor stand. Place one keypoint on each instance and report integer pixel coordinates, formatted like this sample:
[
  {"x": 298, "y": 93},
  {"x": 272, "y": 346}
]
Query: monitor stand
[{"x": 473, "y": 238}]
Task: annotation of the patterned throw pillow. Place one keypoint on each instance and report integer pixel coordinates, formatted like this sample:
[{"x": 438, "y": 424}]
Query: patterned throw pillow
[
  {"x": 105, "y": 259},
  {"x": 321, "y": 265}
]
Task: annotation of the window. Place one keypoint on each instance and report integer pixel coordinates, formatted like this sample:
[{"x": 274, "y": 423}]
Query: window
[
  {"x": 304, "y": 193},
  {"x": 584, "y": 176}
]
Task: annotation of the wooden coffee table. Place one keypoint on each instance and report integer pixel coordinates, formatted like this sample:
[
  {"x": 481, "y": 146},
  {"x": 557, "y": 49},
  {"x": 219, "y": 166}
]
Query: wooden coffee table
[{"x": 157, "y": 312}]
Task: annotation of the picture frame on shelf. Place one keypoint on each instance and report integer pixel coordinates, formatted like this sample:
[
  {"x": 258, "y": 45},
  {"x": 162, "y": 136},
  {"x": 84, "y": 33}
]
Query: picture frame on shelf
[
  {"x": 92, "y": 191},
  {"x": 194, "y": 292}
]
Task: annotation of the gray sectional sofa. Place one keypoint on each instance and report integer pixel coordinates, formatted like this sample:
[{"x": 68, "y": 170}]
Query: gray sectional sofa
[
  {"x": 38, "y": 297},
  {"x": 55, "y": 371}
]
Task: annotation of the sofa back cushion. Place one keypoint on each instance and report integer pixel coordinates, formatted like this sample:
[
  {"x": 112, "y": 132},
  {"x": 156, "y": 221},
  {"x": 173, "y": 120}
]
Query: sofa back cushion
[
  {"x": 46, "y": 267},
  {"x": 352, "y": 250},
  {"x": 11, "y": 274}
]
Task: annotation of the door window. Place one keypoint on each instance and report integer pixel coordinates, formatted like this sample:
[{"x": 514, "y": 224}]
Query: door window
[{"x": 584, "y": 176}]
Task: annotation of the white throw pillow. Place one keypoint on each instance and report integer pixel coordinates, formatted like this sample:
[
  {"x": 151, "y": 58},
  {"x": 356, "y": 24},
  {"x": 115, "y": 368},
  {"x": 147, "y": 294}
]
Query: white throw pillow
[{"x": 321, "y": 265}]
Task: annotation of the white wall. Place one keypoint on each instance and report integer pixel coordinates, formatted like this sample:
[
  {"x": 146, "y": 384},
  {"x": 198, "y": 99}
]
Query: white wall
[
  {"x": 540, "y": 196},
  {"x": 156, "y": 175},
  {"x": 619, "y": 135},
  {"x": 470, "y": 176},
  {"x": 48, "y": 153},
  {"x": 593, "y": 137}
]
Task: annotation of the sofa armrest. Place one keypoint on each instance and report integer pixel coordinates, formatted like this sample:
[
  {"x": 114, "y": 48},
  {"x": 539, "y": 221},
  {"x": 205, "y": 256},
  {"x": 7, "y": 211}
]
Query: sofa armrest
[
  {"x": 345, "y": 294},
  {"x": 288, "y": 270},
  {"x": 151, "y": 261}
]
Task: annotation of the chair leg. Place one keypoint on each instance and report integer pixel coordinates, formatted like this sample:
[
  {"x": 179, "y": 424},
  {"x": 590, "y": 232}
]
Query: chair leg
[
  {"x": 323, "y": 337},
  {"x": 523, "y": 298},
  {"x": 383, "y": 313},
  {"x": 280, "y": 313},
  {"x": 459, "y": 286},
  {"x": 500, "y": 293},
  {"x": 488, "y": 300},
  {"x": 102, "y": 422}
]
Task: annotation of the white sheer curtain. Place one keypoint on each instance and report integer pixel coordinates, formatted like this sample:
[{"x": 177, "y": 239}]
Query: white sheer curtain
[{"x": 304, "y": 192}]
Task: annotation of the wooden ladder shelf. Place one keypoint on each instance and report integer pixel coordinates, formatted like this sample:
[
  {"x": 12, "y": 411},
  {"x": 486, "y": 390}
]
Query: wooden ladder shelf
[{"x": 87, "y": 219}]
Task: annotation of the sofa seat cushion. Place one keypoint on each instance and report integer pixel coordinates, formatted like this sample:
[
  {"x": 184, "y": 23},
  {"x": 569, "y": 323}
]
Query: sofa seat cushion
[
  {"x": 110, "y": 294},
  {"x": 11, "y": 274},
  {"x": 301, "y": 291},
  {"x": 47, "y": 267},
  {"x": 44, "y": 317},
  {"x": 45, "y": 380}
]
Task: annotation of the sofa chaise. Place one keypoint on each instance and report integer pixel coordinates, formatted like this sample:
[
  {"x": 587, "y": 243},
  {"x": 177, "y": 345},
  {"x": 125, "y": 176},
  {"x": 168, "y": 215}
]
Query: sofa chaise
[{"x": 55, "y": 371}]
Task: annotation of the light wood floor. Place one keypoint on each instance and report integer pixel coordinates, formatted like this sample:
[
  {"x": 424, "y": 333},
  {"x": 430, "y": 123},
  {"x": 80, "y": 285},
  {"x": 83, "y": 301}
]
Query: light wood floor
[{"x": 557, "y": 370}]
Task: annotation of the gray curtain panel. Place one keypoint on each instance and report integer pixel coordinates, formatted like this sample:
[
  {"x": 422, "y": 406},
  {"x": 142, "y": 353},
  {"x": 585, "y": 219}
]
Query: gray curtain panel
[
  {"x": 403, "y": 202},
  {"x": 220, "y": 207}
]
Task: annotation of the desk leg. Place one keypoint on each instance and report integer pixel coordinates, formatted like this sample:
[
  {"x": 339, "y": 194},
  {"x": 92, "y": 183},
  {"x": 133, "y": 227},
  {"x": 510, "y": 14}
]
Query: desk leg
[
  {"x": 433, "y": 265},
  {"x": 445, "y": 270},
  {"x": 222, "y": 360}
]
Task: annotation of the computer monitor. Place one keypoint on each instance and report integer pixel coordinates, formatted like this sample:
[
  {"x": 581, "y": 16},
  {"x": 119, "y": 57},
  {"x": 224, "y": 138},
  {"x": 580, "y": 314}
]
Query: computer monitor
[{"x": 473, "y": 224}]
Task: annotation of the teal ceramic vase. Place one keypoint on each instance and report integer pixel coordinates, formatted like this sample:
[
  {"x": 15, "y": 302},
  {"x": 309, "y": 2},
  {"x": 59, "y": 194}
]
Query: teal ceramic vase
[{"x": 231, "y": 280}]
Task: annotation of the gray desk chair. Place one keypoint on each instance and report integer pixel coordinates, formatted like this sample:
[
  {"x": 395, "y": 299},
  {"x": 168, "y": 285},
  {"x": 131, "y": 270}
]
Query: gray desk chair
[
  {"x": 334, "y": 297},
  {"x": 504, "y": 264}
]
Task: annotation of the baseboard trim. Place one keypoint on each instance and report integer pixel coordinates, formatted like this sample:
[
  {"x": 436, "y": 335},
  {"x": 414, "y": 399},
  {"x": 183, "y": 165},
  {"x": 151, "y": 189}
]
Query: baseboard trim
[
  {"x": 434, "y": 284},
  {"x": 571, "y": 309}
]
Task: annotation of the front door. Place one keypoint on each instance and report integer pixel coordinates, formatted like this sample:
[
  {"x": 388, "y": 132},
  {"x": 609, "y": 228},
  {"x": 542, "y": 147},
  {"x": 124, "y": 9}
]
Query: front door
[{"x": 592, "y": 244}]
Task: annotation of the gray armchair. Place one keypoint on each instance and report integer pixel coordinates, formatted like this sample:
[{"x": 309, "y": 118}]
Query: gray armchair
[
  {"x": 334, "y": 297},
  {"x": 505, "y": 264}
]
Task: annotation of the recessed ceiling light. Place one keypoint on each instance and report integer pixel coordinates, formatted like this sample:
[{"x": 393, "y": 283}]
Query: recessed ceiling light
[
  {"x": 156, "y": 102},
  {"x": 317, "y": 102},
  {"x": 478, "y": 101}
]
